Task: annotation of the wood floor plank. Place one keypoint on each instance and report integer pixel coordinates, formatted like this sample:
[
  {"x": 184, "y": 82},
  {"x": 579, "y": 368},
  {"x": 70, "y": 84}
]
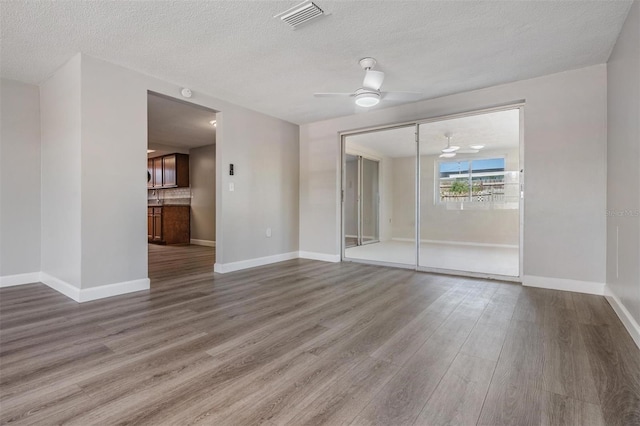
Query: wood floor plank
[
  {"x": 562, "y": 410},
  {"x": 401, "y": 400},
  {"x": 342, "y": 400},
  {"x": 616, "y": 371},
  {"x": 307, "y": 342},
  {"x": 459, "y": 396}
]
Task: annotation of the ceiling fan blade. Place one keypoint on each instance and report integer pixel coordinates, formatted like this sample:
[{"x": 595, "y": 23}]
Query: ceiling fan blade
[
  {"x": 468, "y": 151},
  {"x": 401, "y": 96},
  {"x": 333, "y": 95},
  {"x": 373, "y": 79}
]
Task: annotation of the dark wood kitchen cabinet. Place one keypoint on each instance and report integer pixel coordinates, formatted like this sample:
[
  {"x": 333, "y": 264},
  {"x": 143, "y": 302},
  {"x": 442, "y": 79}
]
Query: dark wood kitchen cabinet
[
  {"x": 169, "y": 224},
  {"x": 168, "y": 171},
  {"x": 175, "y": 169},
  {"x": 157, "y": 172}
]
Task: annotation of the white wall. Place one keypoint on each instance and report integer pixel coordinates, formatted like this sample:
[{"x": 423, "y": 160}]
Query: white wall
[
  {"x": 565, "y": 147},
  {"x": 623, "y": 171},
  {"x": 61, "y": 169},
  {"x": 202, "y": 170},
  {"x": 19, "y": 178}
]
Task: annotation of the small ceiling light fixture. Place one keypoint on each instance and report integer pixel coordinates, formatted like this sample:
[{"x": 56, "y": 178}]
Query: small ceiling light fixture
[
  {"x": 449, "y": 149},
  {"x": 186, "y": 92},
  {"x": 367, "y": 98},
  {"x": 149, "y": 151},
  {"x": 214, "y": 123},
  {"x": 476, "y": 146}
]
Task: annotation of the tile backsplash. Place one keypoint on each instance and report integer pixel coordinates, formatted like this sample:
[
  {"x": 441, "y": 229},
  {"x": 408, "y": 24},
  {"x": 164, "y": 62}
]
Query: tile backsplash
[{"x": 170, "y": 196}]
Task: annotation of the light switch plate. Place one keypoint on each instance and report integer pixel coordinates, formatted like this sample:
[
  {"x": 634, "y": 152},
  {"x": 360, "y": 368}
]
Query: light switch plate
[{"x": 231, "y": 187}]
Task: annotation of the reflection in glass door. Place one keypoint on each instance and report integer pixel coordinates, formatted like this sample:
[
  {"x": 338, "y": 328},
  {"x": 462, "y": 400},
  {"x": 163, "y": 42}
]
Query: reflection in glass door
[
  {"x": 368, "y": 201},
  {"x": 470, "y": 194},
  {"x": 379, "y": 196},
  {"x": 361, "y": 203},
  {"x": 450, "y": 203}
]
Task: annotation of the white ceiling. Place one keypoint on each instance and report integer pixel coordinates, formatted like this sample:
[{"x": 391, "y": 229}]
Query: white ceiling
[
  {"x": 496, "y": 130},
  {"x": 178, "y": 124},
  {"x": 237, "y": 51}
]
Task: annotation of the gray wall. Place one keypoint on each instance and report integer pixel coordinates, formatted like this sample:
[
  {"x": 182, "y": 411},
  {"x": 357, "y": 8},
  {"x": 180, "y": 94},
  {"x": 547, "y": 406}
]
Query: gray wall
[
  {"x": 19, "y": 178},
  {"x": 61, "y": 170},
  {"x": 623, "y": 161},
  {"x": 202, "y": 179},
  {"x": 114, "y": 119},
  {"x": 565, "y": 119}
]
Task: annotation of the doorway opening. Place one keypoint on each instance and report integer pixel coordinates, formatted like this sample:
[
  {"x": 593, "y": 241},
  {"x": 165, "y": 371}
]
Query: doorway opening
[
  {"x": 447, "y": 198},
  {"x": 181, "y": 196}
]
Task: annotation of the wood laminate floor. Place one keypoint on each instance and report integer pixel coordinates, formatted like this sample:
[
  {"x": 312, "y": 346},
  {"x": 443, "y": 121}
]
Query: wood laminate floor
[{"x": 306, "y": 342}]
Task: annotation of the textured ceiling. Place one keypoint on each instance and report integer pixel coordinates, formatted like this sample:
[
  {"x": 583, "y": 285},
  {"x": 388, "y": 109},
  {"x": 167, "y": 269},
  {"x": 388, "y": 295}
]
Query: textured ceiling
[
  {"x": 496, "y": 131},
  {"x": 237, "y": 51},
  {"x": 178, "y": 124}
]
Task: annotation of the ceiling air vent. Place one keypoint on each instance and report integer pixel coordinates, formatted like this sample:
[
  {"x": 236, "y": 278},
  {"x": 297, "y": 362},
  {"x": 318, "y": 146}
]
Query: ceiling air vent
[{"x": 300, "y": 14}]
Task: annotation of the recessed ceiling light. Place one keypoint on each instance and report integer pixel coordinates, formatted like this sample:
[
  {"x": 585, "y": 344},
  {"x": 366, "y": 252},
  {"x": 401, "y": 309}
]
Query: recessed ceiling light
[
  {"x": 476, "y": 146},
  {"x": 214, "y": 123},
  {"x": 149, "y": 151}
]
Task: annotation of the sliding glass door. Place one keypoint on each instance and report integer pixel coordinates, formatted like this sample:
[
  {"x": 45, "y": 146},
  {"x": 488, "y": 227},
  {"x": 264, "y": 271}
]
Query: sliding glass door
[{"x": 450, "y": 202}]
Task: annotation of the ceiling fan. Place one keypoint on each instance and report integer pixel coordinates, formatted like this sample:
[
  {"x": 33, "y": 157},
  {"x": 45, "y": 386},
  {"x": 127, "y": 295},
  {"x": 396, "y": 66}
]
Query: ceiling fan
[
  {"x": 369, "y": 94},
  {"x": 450, "y": 151}
]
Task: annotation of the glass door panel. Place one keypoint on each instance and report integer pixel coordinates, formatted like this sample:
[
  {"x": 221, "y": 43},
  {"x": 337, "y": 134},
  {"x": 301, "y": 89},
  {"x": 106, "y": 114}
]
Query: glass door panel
[
  {"x": 351, "y": 215},
  {"x": 469, "y": 194},
  {"x": 369, "y": 200},
  {"x": 386, "y": 198}
]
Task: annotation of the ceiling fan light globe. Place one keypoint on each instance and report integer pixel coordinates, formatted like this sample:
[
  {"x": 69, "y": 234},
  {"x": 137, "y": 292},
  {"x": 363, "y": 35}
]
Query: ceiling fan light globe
[
  {"x": 367, "y": 100},
  {"x": 450, "y": 149}
]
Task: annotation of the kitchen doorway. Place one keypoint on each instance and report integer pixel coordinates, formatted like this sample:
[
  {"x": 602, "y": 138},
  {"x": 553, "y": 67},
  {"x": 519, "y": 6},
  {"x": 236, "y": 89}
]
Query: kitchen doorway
[{"x": 181, "y": 188}]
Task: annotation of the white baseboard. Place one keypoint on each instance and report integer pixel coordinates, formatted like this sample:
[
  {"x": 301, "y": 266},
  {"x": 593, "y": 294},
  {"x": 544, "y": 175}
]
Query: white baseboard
[
  {"x": 458, "y": 243},
  {"x": 625, "y": 316},
  {"x": 223, "y": 268},
  {"x": 207, "y": 243},
  {"x": 563, "y": 284},
  {"x": 19, "y": 279},
  {"x": 93, "y": 293},
  {"x": 116, "y": 289},
  {"x": 60, "y": 286},
  {"x": 319, "y": 256}
]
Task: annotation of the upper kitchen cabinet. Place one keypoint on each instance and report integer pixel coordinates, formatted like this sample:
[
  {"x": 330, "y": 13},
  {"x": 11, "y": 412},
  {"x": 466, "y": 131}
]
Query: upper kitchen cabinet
[
  {"x": 175, "y": 169},
  {"x": 168, "y": 171}
]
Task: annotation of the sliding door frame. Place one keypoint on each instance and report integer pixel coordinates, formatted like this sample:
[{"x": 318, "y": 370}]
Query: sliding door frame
[{"x": 520, "y": 105}]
